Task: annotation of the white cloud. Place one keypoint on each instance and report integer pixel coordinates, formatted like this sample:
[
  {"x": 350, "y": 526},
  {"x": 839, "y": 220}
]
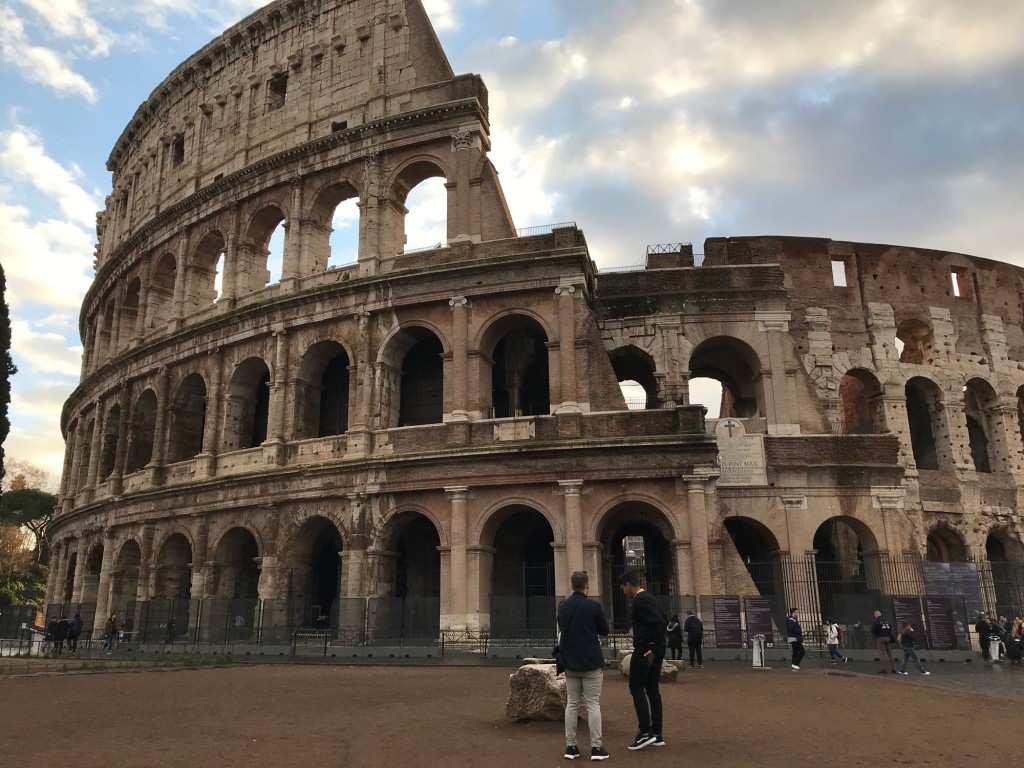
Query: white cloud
[
  {"x": 38, "y": 64},
  {"x": 441, "y": 14},
  {"x": 70, "y": 18},
  {"x": 46, "y": 353}
]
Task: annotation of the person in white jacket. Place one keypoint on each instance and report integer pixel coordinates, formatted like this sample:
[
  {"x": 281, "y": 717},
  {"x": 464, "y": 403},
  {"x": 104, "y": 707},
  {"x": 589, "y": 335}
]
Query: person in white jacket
[{"x": 832, "y": 642}]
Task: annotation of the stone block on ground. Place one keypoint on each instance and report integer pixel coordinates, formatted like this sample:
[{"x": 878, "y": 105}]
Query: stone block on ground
[
  {"x": 669, "y": 670},
  {"x": 535, "y": 692}
]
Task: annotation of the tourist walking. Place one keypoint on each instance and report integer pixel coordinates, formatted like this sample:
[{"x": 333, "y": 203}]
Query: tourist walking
[
  {"x": 581, "y": 624},
  {"x": 693, "y": 628},
  {"x": 984, "y": 629},
  {"x": 795, "y": 637},
  {"x": 832, "y": 633},
  {"x": 909, "y": 651},
  {"x": 63, "y": 625},
  {"x": 883, "y": 633},
  {"x": 74, "y": 631},
  {"x": 675, "y": 637},
  {"x": 110, "y": 633},
  {"x": 648, "y": 622}
]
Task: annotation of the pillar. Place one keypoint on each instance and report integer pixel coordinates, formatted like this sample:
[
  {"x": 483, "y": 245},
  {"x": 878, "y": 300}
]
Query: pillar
[
  {"x": 572, "y": 490},
  {"x": 565, "y": 294},
  {"x": 696, "y": 496},
  {"x": 105, "y": 586},
  {"x": 458, "y": 497},
  {"x": 460, "y": 358}
]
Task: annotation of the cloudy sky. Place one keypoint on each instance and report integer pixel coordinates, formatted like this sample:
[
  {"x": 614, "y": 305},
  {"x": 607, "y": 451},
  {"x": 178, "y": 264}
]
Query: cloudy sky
[{"x": 644, "y": 121}]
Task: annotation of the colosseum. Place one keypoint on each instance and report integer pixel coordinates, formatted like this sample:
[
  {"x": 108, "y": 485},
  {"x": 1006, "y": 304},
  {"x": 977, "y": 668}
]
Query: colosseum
[{"x": 424, "y": 443}]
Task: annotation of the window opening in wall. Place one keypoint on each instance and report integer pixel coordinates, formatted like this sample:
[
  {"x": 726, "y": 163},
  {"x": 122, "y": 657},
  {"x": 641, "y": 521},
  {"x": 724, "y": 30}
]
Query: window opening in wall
[
  {"x": 275, "y": 257},
  {"x": 961, "y": 280},
  {"x": 277, "y": 91},
  {"x": 426, "y": 223},
  {"x": 839, "y": 274},
  {"x": 339, "y": 126},
  {"x": 218, "y": 278},
  {"x": 344, "y": 240},
  {"x": 178, "y": 150},
  {"x": 634, "y": 394},
  {"x": 707, "y": 392}
]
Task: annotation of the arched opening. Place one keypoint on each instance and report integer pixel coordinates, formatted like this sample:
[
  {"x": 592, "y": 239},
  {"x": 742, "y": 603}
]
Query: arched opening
[
  {"x": 231, "y": 614},
  {"x": 734, "y": 365},
  {"x": 426, "y": 218},
  {"x": 201, "y": 279},
  {"x": 125, "y": 585},
  {"x": 846, "y": 570},
  {"x": 636, "y": 538},
  {"x": 924, "y": 401},
  {"x": 275, "y": 255},
  {"x": 944, "y": 545},
  {"x": 411, "y": 578},
  {"x": 90, "y": 583},
  {"x": 108, "y": 443},
  {"x": 752, "y": 564},
  {"x": 68, "y": 588},
  {"x": 314, "y": 563},
  {"x": 188, "y": 419},
  {"x": 85, "y": 455},
  {"x": 520, "y": 381},
  {"x": 108, "y": 332},
  {"x": 323, "y": 391},
  {"x": 634, "y": 370},
  {"x": 332, "y": 234},
  {"x": 706, "y": 392},
  {"x": 1005, "y": 555},
  {"x": 523, "y": 598},
  {"x": 983, "y": 426},
  {"x": 173, "y": 578},
  {"x": 129, "y": 312},
  {"x": 160, "y": 298},
  {"x": 413, "y": 373},
  {"x": 261, "y": 251},
  {"x": 247, "y": 409},
  {"x": 141, "y": 429},
  {"x": 860, "y": 403},
  {"x": 918, "y": 344}
]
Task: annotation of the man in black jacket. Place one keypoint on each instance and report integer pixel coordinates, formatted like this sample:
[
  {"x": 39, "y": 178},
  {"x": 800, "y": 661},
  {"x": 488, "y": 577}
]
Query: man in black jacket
[
  {"x": 649, "y": 625},
  {"x": 795, "y": 635},
  {"x": 581, "y": 622},
  {"x": 693, "y": 628}
]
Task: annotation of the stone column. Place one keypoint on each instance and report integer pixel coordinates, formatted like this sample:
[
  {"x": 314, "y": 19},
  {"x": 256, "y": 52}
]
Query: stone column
[
  {"x": 146, "y": 564},
  {"x": 274, "y": 447},
  {"x": 156, "y": 460},
  {"x": 105, "y": 586},
  {"x": 460, "y": 358},
  {"x": 200, "y": 557},
  {"x": 458, "y": 496},
  {"x": 567, "y": 345},
  {"x": 121, "y": 450},
  {"x": 778, "y": 404},
  {"x": 206, "y": 462},
  {"x": 180, "y": 280},
  {"x": 1009, "y": 447},
  {"x": 97, "y": 442},
  {"x": 79, "y": 577},
  {"x": 462, "y": 144},
  {"x": 140, "y": 318},
  {"x": 230, "y": 278},
  {"x": 292, "y": 240},
  {"x": 360, "y": 392},
  {"x": 573, "y": 490},
  {"x": 696, "y": 497},
  {"x": 56, "y": 553}
]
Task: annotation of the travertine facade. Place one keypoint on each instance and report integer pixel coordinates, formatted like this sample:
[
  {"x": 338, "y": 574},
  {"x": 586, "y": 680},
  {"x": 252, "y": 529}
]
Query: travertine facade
[{"x": 449, "y": 422}]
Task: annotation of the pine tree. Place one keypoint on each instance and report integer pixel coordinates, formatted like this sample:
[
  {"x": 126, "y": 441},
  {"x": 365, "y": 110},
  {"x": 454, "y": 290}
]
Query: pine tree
[{"x": 7, "y": 368}]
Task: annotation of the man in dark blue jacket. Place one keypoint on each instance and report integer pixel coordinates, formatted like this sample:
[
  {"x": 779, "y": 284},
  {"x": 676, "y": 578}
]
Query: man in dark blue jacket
[
  {"x": 581, "y": 622},
  {"x": 649, "y": 626},
  {"x": 795, "y": 635}
]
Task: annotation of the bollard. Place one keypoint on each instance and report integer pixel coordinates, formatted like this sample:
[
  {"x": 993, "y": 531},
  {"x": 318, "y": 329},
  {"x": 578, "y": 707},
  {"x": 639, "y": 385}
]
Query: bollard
[
  {"x": 758, "y": 641},
  {"x": 993, "y": 647}
]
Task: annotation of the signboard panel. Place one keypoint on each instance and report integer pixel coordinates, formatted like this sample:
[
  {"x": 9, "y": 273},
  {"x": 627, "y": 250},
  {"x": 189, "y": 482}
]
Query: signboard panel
[
  {"x": 759, "y": 619},
  {"x": 740, "y": 456},
  {"x": 941, "y": 623},
  {"x": 728, "y": 632}
]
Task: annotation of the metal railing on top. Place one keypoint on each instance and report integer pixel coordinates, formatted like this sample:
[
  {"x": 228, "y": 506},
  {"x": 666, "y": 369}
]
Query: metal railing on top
[{"x": 544, "y": 229}]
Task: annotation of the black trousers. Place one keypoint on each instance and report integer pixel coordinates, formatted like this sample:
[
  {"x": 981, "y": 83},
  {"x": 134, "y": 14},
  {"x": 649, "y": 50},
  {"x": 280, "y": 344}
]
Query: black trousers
[
  {"x": 695, "y": 647},
  {"x": 798, "y": 652},
  {"x": 676, "y": 649},
  {"x": 644, "y": 677}
]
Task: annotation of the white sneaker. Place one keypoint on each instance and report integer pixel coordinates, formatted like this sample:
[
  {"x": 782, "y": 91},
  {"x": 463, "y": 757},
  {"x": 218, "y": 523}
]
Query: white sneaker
[
  {"x": 795, "y": 667},
  {"x": 926, "y": 673},
  {"x": 904, "y": 673}
]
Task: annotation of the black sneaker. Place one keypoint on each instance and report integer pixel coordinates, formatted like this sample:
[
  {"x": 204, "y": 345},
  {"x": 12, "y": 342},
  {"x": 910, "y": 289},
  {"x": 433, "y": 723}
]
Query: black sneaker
[
  {"x": 571, "y": 752},
  {"x": 599, "y": 753},
  {"x": 658, "y": 741},
  {"x": 642, "y": 740}
]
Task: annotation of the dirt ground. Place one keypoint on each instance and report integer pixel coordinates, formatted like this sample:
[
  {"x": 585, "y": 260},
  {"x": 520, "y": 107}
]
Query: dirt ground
[{"x": 285, "y": 716}]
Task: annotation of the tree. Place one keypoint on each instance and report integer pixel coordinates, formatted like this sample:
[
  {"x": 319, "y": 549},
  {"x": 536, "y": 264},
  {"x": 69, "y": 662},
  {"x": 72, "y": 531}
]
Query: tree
[
  {"x": 7, "y": 368},
  {"x": 22, "y": 582},
  {"x": 33, "y": 509}
]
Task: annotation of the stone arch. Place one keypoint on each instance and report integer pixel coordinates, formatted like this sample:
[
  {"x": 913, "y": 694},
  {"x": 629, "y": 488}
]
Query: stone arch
[
  {"x": 917, "y": 341},
  {"x": 751, "y": 560},
  {"x": 515, "y": 380},
  {"x": 108, "y": 442},
  {"x": 160, "y": 296},
  {"x": 312, "y": 565},
  {"x": 409, "y": 573},
  {"x": 737, "y": 367},
  {"x": 201, "y": 275},
  {"x": 631, "y": 363},
  {"x": 636, "y": 536},
  {"x": 85, "y": 454},
  {"x": 93, "y": 564},
  {"x": 322, "y": 391},
  {"x": 141, "y": 431},
  {"x": 408, "y": 176},
  {"x": 988, "y": 450},
  {"x": 410, "y": 385},
  {"x": 254, "y": 272},
  {"x": 107, "y": 340},
  {"x": 945, "y": 545},
  {"x": 860, "y": 401},
  {"x": 124, "y": 580},
  {"x": 521, "y": 570},
  {"x": 172, "y": 578},
  {"x": 187, "y": 422},
  {"x": 319, "y": 225},
  {"x": 247, "y": 406},
  {"x": 129, "y": 311},
  {"x": 924, "y": 404},
  {"x": 1005, "y": 554},
  {"x": 847, "y": 569},
  {"x": 236, "y": 572},
  {"x": 67, "y": 589}
]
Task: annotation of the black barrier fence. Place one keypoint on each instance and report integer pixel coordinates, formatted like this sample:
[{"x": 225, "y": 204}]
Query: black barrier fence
[{"x": 12, "y": 617}]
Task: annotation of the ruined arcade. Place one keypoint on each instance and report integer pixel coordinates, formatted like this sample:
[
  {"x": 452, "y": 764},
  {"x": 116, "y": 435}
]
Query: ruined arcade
[{"x": 430, "y": 441}]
